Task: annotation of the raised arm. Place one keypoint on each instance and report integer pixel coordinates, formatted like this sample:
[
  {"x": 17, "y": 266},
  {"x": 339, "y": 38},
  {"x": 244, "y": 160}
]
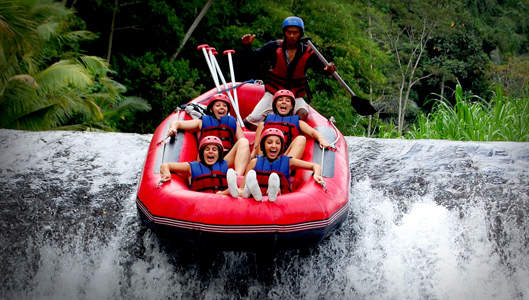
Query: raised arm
[
  {"x": 188, "y": 125},
  {"x": 308, "y": 130}
]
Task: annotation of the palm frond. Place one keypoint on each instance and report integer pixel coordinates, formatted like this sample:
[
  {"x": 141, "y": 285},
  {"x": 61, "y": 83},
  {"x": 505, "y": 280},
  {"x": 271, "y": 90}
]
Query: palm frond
[
  {"x": 18, "y": 99},
  {"x": 95, "y": 65},
  {"x": 47, "y": 30},
  {"x": 133, "y": 104},
  {"x": 62, "y": 74},
  {"x": 48, "y": 10},
  {"x": 94, "y": 109},
  {"x": 78, "y": 36},
  {"x": 126, "y": 107},
  {"x": 36, "y": 120}
]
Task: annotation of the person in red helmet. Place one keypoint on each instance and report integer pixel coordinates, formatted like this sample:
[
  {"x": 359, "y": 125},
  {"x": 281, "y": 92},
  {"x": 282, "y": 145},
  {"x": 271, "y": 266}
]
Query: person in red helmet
[
  {"x": 292, "y": 127},
  {"x": 270, "y": 173},
  {"x": 217, "y": 122},
  {"x": 208, "y": 173},
  {"x": 289, "y": 61}
]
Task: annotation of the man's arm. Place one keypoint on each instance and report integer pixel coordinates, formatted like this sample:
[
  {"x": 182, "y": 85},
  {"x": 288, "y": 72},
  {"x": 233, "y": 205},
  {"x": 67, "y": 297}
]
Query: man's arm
[
  {"x": 267, "y": 51},
  {"x": 317, "y": 65}
]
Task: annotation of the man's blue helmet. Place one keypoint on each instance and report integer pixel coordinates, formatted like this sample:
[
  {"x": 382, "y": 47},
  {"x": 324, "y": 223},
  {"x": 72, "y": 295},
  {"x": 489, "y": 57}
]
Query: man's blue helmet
[{"x": 294, "y": 21}]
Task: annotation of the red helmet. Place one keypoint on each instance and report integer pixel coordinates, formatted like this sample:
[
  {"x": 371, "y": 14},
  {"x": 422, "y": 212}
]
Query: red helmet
[
  {"x": 281, "y": 93},
  {"x": 210, "y": 139},
  {"x": 218, "y": 97},
  {"x": 276, "y": 132}
]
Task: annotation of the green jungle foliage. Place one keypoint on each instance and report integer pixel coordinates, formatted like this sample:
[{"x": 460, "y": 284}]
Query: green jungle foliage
[
  {"x": 46, "y": 81},
  {"x": 473, "y": 119},
  {"x": 397, "y": 54}
]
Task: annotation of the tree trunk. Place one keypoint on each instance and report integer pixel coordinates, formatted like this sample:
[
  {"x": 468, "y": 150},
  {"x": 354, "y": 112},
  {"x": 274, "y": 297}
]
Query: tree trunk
[
  {"x": 400, "y": 120},
  {"x": 409, "y": 72},
  {"x": 112, "y": 28},
  {"x": 370, "y": 84},
  {"x": 192, "y": 28},
  {"x": 442, "y": 86}
]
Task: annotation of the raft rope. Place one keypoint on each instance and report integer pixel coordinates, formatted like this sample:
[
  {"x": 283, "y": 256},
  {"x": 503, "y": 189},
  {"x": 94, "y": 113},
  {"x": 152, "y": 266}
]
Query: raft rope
[{"x": 332, "y": 146}]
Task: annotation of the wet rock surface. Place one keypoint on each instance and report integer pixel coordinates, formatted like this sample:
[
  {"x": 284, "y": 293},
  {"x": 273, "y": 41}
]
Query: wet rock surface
[{"x": 427, "y": 219}]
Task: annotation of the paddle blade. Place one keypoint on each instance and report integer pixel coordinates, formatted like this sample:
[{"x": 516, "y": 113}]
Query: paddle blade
[{"x": 362, "y": 106}]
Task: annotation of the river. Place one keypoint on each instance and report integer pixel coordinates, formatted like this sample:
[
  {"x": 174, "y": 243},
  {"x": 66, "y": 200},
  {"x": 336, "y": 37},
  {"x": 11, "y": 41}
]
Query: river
[{"x": 428, "y": 219}]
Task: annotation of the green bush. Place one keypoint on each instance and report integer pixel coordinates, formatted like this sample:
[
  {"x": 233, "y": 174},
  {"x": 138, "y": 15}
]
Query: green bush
[
  {"x": 473, "y": 119},
  {"x": 164, "y": 84}
]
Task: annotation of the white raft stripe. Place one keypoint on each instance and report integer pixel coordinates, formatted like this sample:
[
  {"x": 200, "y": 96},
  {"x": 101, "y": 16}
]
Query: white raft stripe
[{"x": 241, "y": 228}]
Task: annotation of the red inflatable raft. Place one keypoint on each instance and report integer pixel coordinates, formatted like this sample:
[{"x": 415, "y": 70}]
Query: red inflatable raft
[{"x": 297, "y": 219}]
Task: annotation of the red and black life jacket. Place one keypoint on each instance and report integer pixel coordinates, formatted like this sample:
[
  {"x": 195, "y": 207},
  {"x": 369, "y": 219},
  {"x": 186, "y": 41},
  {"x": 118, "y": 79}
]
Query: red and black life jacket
[
  {"x": 289, "y": 125},
  {"x": 283, "y": 76},
  {"x": 209, "y": 180},
  {"x": 263, "y": 168},
  {"x": 224, "y": 129}
]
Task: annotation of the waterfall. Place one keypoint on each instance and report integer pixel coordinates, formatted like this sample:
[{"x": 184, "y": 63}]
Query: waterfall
[{"x": 428, "y": 219}]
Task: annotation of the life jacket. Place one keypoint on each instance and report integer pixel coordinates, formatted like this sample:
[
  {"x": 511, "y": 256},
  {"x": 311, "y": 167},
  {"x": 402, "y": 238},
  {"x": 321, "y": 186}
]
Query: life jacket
[
  {"x": 263, "y": 168},
  {"x": 209, "y": 180},
  {"x": 289, "y": 125},
  {"x": 224, "y": 129},
  {"x": 284, "y": 76}
]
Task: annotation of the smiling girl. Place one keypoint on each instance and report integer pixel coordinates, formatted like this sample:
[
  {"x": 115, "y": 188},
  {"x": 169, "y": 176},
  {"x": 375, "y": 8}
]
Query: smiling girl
[
  {"x": 208, "y": 174},
  {"x": 294, "y": 129},
  {"x": 219, "y": 123},
  {"x": 270, "y": 173}
]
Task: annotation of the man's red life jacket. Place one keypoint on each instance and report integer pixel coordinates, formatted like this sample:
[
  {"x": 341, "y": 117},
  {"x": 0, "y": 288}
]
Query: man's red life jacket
[{"x": 280, "y": 77}]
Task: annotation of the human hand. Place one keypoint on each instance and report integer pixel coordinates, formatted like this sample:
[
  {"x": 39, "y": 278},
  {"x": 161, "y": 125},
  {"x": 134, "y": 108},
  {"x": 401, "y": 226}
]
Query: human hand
[
  {"x": 331, "y": 68},
  {"x": 324, "y": 144},
  {"x": 248, "y": 38},
  {"x": 165, "y": 177},
  {"x": 172, "y": 130},
  {"x": 319, "y": 179},
  {"x": 165, "y": 173}
]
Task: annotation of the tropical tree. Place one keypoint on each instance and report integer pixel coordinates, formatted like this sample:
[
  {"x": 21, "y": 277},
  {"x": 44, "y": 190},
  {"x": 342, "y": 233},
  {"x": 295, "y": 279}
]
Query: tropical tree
[{"x": 73, "y": 92}]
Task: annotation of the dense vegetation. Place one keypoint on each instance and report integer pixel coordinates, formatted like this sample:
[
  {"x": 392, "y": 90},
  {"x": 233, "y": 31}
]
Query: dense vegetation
[
  {"x": 46, "y": 80},
  {"x": 407, "y": 57}
]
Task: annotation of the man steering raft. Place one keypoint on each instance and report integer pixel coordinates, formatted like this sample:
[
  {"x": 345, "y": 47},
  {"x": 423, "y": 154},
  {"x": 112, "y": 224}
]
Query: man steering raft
[{"x": 290, "y": 60}]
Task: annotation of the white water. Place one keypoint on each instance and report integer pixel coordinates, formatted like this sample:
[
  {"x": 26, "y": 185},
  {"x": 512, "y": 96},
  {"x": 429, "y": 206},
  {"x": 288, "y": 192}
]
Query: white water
[
  {"x": 428, "y": 220},
  {"x": 429, "y": 252}
]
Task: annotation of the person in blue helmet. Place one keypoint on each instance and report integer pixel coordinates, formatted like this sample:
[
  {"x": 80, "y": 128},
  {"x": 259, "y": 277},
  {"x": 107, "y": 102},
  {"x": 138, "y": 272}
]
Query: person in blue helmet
[{"x": 288, "y": 60}]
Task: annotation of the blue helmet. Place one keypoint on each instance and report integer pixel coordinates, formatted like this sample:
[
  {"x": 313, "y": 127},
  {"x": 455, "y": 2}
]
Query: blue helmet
[{"x": 294, "y": 21}]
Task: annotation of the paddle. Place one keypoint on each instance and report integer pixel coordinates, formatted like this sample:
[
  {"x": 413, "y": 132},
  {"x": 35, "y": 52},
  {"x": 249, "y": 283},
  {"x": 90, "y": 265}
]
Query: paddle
[
  {"x": 361, "y": 105},
  {"x": 214, "y": 68}
]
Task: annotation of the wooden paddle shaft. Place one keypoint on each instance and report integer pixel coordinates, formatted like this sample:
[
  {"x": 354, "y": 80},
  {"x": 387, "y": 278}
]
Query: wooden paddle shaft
[{"x": 335, "y": 74}]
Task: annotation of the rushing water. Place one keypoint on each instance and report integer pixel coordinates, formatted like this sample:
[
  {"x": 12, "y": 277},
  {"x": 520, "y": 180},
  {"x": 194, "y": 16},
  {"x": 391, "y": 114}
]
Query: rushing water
[{"x": 428, "y": 220}]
